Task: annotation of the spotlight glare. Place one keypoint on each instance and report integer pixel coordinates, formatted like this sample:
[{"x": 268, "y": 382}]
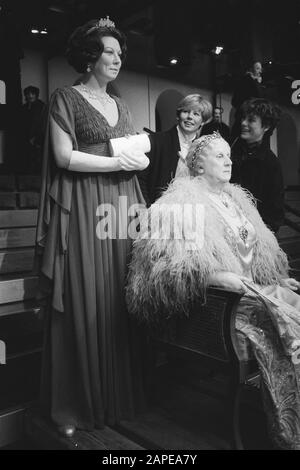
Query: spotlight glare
[
  {"x": 218, "y": 50},
  {"x": 174, "y": 61},
  {"x": 35, "y": 31}
]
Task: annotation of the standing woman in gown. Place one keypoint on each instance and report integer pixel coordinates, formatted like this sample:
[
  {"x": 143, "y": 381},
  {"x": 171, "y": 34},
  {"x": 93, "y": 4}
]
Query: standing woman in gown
[{"x": 88, "y": 377}]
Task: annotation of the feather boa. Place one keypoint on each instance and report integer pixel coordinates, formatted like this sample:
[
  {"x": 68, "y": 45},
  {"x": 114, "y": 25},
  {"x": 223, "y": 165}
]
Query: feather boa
[{"x": 166, "y": 275}]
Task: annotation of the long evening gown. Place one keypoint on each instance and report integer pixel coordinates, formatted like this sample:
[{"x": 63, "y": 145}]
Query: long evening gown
[{"x": 89, "y": 377}]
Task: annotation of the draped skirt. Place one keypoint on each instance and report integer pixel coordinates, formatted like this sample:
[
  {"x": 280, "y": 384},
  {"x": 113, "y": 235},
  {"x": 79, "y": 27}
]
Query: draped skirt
[
  {"x": 274, "y": 335},
  {"x": 92, "y": 365}
]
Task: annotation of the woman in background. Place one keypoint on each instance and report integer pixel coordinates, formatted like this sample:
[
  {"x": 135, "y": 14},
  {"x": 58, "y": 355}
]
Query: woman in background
[
  {"x": 254, "y": 166},
  {"x": 170, "y": 148}
]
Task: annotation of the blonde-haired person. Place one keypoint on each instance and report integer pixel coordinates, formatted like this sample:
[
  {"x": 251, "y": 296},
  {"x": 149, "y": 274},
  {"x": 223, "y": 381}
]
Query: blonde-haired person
[
  {"x": 168, "y": 273},
  {"x": 169, "y": 148}
]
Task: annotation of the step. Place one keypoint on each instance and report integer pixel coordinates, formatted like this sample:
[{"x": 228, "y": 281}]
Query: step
[
  {"x": 15, "y": 308},
  {"x": 295, "y": 268},
  {"x": 293, "y": 217},
  {"x": 17, "y": 237},
  {"x": 21, "y": 332},
  {"x": 21, "y": 335},
  {"x": 8, "y": 200},
  {"x": 293, "y": 204},
  {"x": 20, "y": 379},
  {"x": 291, "y": 246},
  {"x": 292, "y": 196},
  {"x": 18, "y": 218},
  {"x": 27, "y": 200},
  {"x": 29, "y": 182},
  {"x": 289, "y": 216},
  {"x": 11, "y": 426},
  {"x": 17, "y": 289},
  {"x": 295, "y": 263},
  {"x": 46, "y": 436},
  {"x": 7, "y": 183},
  {"x": 286, "y": 231},
  {"x": 15, "y": 261}
]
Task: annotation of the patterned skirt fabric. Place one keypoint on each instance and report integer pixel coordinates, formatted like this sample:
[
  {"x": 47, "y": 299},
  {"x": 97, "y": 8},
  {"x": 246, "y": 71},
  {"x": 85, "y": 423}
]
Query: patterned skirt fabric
[{"x": 274, "y": 335}]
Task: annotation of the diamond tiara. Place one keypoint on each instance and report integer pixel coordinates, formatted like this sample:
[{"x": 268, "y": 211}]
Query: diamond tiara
[
  {"x": 105, "y": 22},
  {"x": 204, "y": 143},
  {"x": 102, "y": 23}
]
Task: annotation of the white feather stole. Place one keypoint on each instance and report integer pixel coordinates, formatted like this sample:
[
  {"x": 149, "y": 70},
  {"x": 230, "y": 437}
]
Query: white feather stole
[{"x": 166, "y": 274}]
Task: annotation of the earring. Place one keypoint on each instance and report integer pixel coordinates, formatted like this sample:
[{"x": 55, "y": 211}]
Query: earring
[
  {"x": 89, "y": 68},
  {"x": 201, "y": 171}
]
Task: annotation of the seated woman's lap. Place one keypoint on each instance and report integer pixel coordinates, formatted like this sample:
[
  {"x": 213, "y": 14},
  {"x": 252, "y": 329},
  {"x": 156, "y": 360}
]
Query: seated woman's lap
[{"x": 284, "y": 294}]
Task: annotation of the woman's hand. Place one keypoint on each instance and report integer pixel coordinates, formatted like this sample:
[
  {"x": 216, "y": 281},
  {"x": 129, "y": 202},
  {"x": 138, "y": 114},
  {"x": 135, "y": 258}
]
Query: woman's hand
[
  {"x": 290, "y": 283},
  {"x": 135, "y": 160},
  {"x": 229, "y": 281}
]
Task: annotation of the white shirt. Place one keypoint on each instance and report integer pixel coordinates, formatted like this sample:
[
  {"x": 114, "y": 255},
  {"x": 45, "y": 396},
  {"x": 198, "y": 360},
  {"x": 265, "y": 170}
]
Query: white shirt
[{"x": 182, "y": 169}]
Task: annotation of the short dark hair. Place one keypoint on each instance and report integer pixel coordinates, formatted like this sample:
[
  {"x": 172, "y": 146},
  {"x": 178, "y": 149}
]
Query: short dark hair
[
  {"x": 85, "y": 45},
  {"x": 268, "y": 112},
  {"x": 31, "y": 89}
]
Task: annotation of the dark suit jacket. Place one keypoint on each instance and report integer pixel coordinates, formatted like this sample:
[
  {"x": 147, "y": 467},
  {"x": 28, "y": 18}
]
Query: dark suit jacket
[
  {"x": 258, "y": 169},
  {"x": 163, "y": 163},
  {"x": 212, "y": 126},
  {"x": 247, "y": 88}
]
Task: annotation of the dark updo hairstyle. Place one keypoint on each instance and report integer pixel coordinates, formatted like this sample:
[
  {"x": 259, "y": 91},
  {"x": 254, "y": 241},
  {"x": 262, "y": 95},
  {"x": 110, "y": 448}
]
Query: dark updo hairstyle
[
  {"x": 85, "y": 45},
  {"x": 269, "y": 113}
]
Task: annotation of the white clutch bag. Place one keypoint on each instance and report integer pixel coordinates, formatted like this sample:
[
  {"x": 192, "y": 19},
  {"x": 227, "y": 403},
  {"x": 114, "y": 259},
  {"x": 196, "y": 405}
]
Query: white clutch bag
[{"x": 140, "y": 142}]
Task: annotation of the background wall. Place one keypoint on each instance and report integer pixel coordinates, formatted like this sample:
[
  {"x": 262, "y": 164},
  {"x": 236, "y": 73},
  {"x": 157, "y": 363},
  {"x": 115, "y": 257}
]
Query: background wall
[
  {"x": 140, "y": 92},
  {"x": 152, "y": 101},
  {"x": 34, "y": 71}
]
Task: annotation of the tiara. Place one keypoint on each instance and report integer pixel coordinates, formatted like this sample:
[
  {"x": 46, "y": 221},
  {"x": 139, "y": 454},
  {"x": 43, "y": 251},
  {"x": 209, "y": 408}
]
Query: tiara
[
  {"x": 204, "y": 143},
  {"x": 102, "y": 23}
]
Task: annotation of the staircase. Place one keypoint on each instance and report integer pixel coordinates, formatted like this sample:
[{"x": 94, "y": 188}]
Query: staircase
[
  {"x": 20, "y": 321},
  {"x": 21, "y": 330}
]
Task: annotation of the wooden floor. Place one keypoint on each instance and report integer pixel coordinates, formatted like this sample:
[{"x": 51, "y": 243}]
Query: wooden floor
[{"x": 182, "y": 416}]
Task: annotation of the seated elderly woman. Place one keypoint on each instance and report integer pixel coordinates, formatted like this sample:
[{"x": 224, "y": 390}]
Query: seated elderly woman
[{"x": 216, "y": 237}]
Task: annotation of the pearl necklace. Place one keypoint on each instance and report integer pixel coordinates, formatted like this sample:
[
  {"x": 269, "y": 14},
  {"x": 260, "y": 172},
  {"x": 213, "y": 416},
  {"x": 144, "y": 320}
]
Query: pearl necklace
[{"x": 104, "y": 99}]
